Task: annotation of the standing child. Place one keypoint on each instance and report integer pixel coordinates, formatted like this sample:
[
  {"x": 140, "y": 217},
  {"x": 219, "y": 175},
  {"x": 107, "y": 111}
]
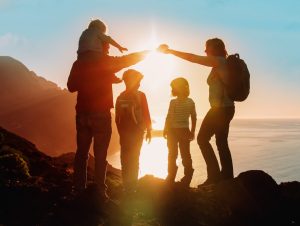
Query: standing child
[
  {"x": 177, "y": 130},
  {"x": 92, "y": 39},
  {"x": 132, "y": 119}
]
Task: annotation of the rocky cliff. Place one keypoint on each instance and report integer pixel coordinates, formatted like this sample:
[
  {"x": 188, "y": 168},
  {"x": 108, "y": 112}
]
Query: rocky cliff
[
  {"x": 38, "y": 109},
  {"x": 36, "y": 189}
]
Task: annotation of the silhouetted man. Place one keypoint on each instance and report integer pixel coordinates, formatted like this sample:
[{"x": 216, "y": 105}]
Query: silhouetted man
[{"x": 93, "y": 79}]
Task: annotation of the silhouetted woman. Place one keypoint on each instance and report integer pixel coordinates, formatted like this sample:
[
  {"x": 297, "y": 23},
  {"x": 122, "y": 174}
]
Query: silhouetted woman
[{"x": 217, "y": 120}]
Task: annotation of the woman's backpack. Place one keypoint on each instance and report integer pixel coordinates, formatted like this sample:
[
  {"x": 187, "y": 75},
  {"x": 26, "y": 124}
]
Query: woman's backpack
[{"x": 238, "y": 82}]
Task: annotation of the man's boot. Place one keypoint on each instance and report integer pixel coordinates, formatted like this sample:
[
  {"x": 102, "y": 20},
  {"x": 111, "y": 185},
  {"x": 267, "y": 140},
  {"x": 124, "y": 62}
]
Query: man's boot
[
  {"x": 171, "y": 175},
  {"x": 188, "y": 175}
]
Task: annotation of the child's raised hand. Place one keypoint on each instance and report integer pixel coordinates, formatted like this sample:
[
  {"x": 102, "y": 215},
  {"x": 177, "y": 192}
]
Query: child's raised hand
[{"x": 121, "y": 49}]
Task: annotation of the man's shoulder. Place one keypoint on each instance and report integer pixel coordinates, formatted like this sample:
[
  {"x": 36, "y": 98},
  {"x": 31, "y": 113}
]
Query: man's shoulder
[{"x": 75, "y": 64}]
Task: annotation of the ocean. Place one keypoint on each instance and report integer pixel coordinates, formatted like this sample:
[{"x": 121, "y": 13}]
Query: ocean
[{"x": 271, "y": 145}]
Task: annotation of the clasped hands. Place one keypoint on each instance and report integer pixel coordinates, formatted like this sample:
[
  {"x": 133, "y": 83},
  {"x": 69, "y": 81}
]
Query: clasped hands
[{"x": 163, "y": 48}]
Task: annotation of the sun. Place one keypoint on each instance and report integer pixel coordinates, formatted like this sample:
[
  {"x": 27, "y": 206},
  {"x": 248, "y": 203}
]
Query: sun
[{"x": 157, "y": 67}]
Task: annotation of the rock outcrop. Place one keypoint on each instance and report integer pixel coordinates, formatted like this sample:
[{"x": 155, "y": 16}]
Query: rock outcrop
[{"x": 36, "y": 189}]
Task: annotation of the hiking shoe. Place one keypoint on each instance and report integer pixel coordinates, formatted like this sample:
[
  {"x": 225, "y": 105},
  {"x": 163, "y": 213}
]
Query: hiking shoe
[
  {"x": 185, "y": 182},
  {"x": 169, "y": 182},
  {"x": 206, "y": 183}
]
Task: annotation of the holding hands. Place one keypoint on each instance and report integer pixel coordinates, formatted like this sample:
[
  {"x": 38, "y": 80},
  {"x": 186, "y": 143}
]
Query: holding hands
[{"x": 163, "y": 48}]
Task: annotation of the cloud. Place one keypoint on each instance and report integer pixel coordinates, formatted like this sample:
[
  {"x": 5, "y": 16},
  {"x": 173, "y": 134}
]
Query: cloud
[{"x": 11, "y": 40}]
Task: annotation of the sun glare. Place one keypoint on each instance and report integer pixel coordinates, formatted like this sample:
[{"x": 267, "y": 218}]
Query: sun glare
[
  {"x": 158, "y": 122},
  {"x": 154, "y": 158},
  {"x": 157, "y": 67}
]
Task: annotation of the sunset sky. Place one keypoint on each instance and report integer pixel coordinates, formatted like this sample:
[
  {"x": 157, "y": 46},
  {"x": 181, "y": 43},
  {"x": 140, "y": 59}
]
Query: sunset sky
[{"x": 43, "y": 34}]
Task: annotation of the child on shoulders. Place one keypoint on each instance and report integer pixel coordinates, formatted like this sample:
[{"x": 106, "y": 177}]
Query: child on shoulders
[{"x": 92, "y": 39}]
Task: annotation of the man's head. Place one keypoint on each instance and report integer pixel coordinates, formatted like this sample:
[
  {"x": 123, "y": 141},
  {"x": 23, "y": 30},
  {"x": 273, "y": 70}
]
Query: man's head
[{"x": 132, "y": 79}]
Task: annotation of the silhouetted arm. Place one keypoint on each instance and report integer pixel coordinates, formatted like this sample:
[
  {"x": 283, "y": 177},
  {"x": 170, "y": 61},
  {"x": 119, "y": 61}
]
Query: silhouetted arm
[
  {"x": 115, "y": 79},
  {"x": 117, "y": 45},
  {"x": 72, "y": 83},
  {"x": 210, "y": 61},
  {"x": 168, "y": 119},
  {"x": 146, "y": 112},
  {"x": 117, "y": 113},
  {"x": 111, "y": 41},
  {"x": 115, "y": 64},
  {"x": 193, "y": 118},
  {"x": 146, "y": 115}
]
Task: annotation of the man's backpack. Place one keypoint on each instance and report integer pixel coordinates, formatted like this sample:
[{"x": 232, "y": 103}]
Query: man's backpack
[
  {"x": 129, "y": 111},
  {"x": 238, "y": 84}
]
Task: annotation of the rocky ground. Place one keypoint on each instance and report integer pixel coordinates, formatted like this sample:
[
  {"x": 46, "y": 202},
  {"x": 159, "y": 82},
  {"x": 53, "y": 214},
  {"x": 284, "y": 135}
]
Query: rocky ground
[{"x": 36, "y": 189}]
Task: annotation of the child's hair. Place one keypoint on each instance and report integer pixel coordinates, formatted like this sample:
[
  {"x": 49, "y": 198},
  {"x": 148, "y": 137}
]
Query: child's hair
[
  {"x": 180, "y": 87},
  {"x": 217, "y": 47},
  {"x": 98, "y": 24},
  {"x": 132, "y": 77}
]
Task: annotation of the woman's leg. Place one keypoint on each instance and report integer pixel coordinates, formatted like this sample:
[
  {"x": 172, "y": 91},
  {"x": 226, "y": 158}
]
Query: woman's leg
[
  {"x": 225, "y": 115},
  {"x": 207, "y": 130}
]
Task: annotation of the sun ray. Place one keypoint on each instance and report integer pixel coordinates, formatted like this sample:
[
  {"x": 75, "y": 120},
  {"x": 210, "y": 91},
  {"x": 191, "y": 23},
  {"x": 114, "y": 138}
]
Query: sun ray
[{"x": 157, "y": 67}]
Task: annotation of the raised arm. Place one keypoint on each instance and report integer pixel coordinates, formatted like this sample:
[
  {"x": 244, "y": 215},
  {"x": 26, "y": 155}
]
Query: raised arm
[
  {"x": 146, "y": 115},
  {"x": 117, "y": 45},
  {"x": 115, "y": 64},
  {"x": 168, "y": 120},
  {"x": 105, "y": 38},
  {"x": 210, "y": 61}
]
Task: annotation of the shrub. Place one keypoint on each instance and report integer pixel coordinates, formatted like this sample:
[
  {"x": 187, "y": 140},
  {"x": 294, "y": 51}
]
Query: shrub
[{"x": 12, "y": 164}]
